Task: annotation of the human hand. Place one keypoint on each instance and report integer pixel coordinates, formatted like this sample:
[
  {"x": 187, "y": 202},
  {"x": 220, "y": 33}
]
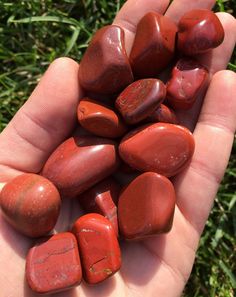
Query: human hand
[{"x": 158, "y": 266}]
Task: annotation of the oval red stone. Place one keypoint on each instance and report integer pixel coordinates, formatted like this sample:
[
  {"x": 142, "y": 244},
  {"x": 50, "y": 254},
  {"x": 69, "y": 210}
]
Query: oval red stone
[
  {"x": 162, "y": 148},
  {"x": 99, "y": 247},
  {"x": 153, "y": 46},
  {"x": 105, "y": 67},
  {"x": 31, "y": 204},
  {"x": 102, "y": 198},
  {"x": 189, "y": 79},
  {"x": 200, "y": 30},
  {"x": 146, "y": 206},
  {"x": 54, "y": 265},
  {"x": 140, "y": 99},
  {"x": 79, "y": 163},
  {"x": 99, "y": 119}
]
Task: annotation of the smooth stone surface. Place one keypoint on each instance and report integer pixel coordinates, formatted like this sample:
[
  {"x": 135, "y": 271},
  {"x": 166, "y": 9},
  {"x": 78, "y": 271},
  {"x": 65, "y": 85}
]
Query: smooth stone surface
[
  {"x": 189, "y": 79},
  {"x": 200, "y": 30},
  {"x": 140, "y": 99},
  {"x": 99, "y": 119},
  {"x": 31, "y": 204},
  {"x": 99, "y": 247},
  {"x": 153, "y": 46},
  {"x": 146, "y": 206},
  {"x": 102, "y": 198},
  {"x": 81, "y": 162},
  {"x": 163, "y": 114},
  {"x": 54, "y": 265},
  {"x": 162, "y": 148},
  {"x": 105, "y": 68}
]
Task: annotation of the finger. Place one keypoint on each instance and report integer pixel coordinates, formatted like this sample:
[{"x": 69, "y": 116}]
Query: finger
[
  {"x": 218, "y": 58},
  {"x": 214, "y": 134},
  {"x": 215, "y": 61},
  {"x": 180, "y": 7},
  {"x": 132, "y": 11},
  {"x": 44, "y": 121}
]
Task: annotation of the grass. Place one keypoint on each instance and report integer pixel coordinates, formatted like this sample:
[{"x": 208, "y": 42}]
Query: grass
[{"x": 47, "y": 30}]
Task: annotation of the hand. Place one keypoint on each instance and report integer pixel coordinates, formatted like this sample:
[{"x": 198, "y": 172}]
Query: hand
[{"x": 158, "y": 266}]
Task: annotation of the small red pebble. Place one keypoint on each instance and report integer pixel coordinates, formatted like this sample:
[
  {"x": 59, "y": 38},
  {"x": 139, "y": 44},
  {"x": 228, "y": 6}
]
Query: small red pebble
[
  {"x": 79, "y": 163},
  {"x": 200, "y": 30},
  {"x": 99, "y": 119},
  {"x": 163, "y": 114},
  {"x": 99, "y": 247},
  {"x": 162, "y": 148},
  {"x": 140, "y": 99},
  {"x": 105, "y": 68},
  {"x": 54, "y": 265},
  {"x": 102, "y": 198},
  {"x": 189, "y": 79},
  {"x": 153, "y": 46},
  {"x": 31, "y": 204},
  {"x": 146, "y": 206}
]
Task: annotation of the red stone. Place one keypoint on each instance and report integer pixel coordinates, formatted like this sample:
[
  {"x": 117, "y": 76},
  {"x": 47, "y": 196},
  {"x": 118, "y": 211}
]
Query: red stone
[
  {"x": 102, "y": 198},
  {"x": 31, "y": 204},
  {"x": 54, "y": 265},
  {"x": 146, "y": 206},
  {"x": 189, "y": 79},
  {"x": 163, "y": 114},
  {"x": 200, "y": 30},
  {"x": 100, "y": 119},
  {"x": 153, "y": 46},
  {"x": 140, "y": 99},
  {"x": 99, "y": 247},
  {"x": 79, "y": 163},
  {"x": 105, "y": 68},
  {"x": 162, "y": 148}
]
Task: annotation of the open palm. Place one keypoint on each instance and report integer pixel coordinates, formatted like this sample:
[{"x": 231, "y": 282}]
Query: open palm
[{"x": 159, "y": 266}]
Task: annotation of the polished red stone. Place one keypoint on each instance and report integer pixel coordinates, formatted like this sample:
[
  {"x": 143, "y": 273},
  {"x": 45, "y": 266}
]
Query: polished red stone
[
  {"x": 162, "y": 148},
  {"x": 163, "y": 114},
  {"x": 100, "y": 119},
  {"x": 188, "y": 81},
  {"x": 54, "y": 265},
  {"x": 79, "y": 163},
  {"x": 200, "y": 30},
  {"x": 140, "y": 99},
  {"x": 105, "y": 67},
  {"x": 102, "y": 198},
  {"x": 146, "y": 206},
  {"x": 31, "y": 204},
  {"x": 153, "y": 46},
  {"x": 99, "y": 247}
]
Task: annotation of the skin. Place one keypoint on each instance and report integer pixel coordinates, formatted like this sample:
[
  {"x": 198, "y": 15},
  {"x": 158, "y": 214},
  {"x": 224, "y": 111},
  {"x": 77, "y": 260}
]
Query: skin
[{"x": 159, "y": 266}]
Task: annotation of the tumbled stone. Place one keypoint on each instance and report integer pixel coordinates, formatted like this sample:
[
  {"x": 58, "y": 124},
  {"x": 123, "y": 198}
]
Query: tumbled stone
[
  {"x": 153, "y": 46},
  {"x": 105, "y": 68},
  {"x": 162, "y": 148},
  {"x": 200, "y": 30},
  {"x": 99, "y": 247},
  {"x": 163, "y": 114}
]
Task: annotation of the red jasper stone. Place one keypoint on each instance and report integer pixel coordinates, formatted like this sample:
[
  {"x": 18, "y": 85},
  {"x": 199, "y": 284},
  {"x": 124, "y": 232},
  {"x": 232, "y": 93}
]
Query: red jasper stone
[
  {"x": 79, "y": 163},
  {"x": 200, "y": 30},
  {"x": 99, "y": 119},
  {"x": 162, "y": 148},
  {"x": 99, "y": 247},
  {"x": 54, "y": 265},
  {"x": 189, "y": 79},
  {"x": 146, "y": 206},
  {"x": 105, "y": 68},
  {"x": 153, "y": 46},
  {"x": 163, "y": 114},
  {"x": 102, "y": 198},
  {"x": 31, "y": 204},
  {"x": 140, "y": 99}
]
